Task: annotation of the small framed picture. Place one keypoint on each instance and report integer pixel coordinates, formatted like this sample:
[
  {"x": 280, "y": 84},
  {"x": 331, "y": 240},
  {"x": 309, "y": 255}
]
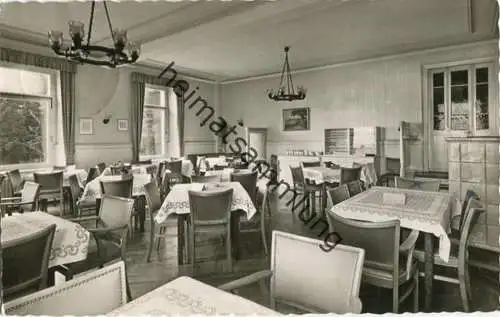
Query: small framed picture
[
  {"x": 86, "y": 126},
  {"x": 296, "y": 119},
  {"x": 122, "y": 124}
]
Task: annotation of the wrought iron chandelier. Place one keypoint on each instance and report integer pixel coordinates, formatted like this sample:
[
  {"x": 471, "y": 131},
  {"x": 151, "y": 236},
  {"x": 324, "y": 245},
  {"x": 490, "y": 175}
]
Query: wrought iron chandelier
[
  {"x": 286, "y": 91},
  {"x": 86, "y": 53}
]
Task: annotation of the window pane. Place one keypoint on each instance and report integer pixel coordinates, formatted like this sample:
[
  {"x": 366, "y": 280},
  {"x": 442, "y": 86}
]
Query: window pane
[
  {"x": 438, "y": 101},
  {"x": 482, "y": 96},
  {"x": 152, "y": 132},
  {"x": 438, "y": 80},
  {"x": 459, "y": 100},
  {"x": 153, "y": 97},
  {"x": 22, "y": 130},
  {"x": 24, "y": 82}
]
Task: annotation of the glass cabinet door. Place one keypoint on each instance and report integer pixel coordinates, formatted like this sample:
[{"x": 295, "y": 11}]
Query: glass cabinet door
[
  {"x": 481, "y": 102},
  {"x": 438, "y": 102},
  {"x": 459, "y": 100}
]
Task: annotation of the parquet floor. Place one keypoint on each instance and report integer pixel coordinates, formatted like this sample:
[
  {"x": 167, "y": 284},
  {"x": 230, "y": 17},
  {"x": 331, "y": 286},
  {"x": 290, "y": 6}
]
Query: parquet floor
[{"x": 144, "y": 277}]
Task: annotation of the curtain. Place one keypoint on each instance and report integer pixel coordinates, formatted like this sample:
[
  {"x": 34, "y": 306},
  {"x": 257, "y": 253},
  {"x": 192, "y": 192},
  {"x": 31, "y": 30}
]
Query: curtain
[
  {"x": 135, "y": 118},
  {"x": 20, "y": 57},
  {"x": 68, "y": 114},
  {"x": 180, "y": 121}
]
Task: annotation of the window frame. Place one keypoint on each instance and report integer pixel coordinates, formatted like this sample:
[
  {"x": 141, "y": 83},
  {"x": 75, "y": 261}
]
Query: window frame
[
  {"x": 52, "y": 113},
  {"x": 165, "y": 126}
]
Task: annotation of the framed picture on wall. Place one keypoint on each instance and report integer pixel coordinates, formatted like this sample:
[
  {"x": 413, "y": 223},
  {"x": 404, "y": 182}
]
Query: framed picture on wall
[
  {"x": 296, "y": 119},
  {"x": 122, "y": 124},
  {"x": 86, "y": 126}
]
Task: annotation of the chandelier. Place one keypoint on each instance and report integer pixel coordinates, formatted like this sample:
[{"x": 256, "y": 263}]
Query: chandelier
[
  {"x": 85, "y": 53},
  {"x": 286, "y": 91}
]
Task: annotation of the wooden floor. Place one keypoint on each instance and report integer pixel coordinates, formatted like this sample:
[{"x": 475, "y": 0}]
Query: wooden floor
[{"x": 144, "y": 277}]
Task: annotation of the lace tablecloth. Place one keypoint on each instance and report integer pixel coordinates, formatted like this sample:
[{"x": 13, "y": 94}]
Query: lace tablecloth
[
  {"x": 424, "y": 211},
  {"x": 177, "y": 201},
  {"x": 92, "y": 190},
  {"x": 187, "y": 296},
  {"x": 70, "y": 243}
]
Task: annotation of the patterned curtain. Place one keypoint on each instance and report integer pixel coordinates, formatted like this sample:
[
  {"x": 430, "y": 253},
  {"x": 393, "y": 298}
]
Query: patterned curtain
[
  {"x": 68, "y": 114},
  {"x": 136, "y": 113}
]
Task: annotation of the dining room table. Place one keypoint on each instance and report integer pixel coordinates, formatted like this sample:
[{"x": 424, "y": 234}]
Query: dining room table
[
  {"x": 186, "y": 296},
  {"x": 177, "y": 202},
  {"x": 425, "y": 211},
  {"x": 70, "y": 243}
]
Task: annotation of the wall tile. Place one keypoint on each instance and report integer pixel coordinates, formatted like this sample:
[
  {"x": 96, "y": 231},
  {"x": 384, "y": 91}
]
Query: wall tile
[
  {"x": 472, "y": 152},
  {"x": 492, "y": 215},
  {"x": 454, "y": 152},
  {"x": 454, "y": 171},
  {"x": 473, "y": 172},
  {"x": 492, "y": 153}
]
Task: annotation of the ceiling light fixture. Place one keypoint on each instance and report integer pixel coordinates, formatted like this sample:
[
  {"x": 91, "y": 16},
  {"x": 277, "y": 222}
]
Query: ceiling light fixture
[
  {"x": 286, "y": 91},
  {"x": 85, "y": 53}
]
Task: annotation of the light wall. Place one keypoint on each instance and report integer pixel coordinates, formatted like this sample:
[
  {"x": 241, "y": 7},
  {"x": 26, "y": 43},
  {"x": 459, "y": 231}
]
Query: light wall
[
  {"x": 102, "y": 92},
  {"x": 379, "y": 92}
]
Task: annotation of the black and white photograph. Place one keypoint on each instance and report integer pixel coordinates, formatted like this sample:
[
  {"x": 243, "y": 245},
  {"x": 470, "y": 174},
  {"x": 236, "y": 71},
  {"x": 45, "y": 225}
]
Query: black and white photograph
[{"x": 233, "y": 157}]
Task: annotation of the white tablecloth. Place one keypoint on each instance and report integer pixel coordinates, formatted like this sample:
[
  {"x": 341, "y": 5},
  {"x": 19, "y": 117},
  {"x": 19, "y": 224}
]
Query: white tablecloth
[
  {"x": 177, "y": 201},
  {"x": 92, "y": 190},
  {"x": 70, "y": 243},
  {"x": 187, "y": 296},
  {"x": 81, "y": 175},
  {"x": 135, "y": 169},
  {"x": 187, "y": 166},
  {"x": 321, "y": 174},
  {"x": 225, "y": 176},
  {"x": 424, "y": 211}
]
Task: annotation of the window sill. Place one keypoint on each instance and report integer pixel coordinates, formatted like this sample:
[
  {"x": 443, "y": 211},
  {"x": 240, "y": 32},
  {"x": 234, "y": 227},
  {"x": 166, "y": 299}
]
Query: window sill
[{"x": 25, "y": 168}]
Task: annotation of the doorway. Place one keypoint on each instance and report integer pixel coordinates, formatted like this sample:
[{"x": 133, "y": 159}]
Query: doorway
[{"x": 257, "y": 139}]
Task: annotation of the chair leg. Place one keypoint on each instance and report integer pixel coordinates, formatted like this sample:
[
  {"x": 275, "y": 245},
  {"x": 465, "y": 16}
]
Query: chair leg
[
  {"x": 192, "y": 249},
  {"x": 416, "y": 293},
  {"x": 395, "y": 300},
  {"x": 464, "y": 290},
  {"x": 151, "y": 241},
  {"x": 263, "y": 230},
  {"x": 229, "y": 250}
]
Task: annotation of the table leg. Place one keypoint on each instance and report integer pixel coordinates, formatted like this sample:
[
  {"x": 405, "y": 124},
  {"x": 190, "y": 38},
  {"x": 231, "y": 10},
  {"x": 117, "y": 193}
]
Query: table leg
[
  {"x": 428, "y": 270},
  {"x": 235, "y": 233},
  {"x": 180, "y": 239}
]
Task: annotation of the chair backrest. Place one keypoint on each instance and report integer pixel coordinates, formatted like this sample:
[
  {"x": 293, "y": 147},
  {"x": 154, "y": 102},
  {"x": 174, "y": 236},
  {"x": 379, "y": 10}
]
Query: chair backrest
[
  {"x": 249, "y": 182},
  {"x": 74, "y": 187},
  {"x": 92, "y": 174},
  {"x": 160, "y": 171},
  {"x": 210, "y": 206},
  {"x": 354, "y": 188},
  {"x": 104, "y": 288},
  {"x": 428, "y": 185},
  {"x": 219, "y": 167},
  {"x": 370, "y": 236},
  {"x": 119, "y": 187},
  {"x": 392, "y": 165},
  {"x": 101, "y": 167},
  {"x": 30, "y": 192},
  {"x": 372, "y": 173},
  {"x": 49, "y": 181},
  {"x": 311, "y": 164},
  {"x": 338, "y": 194},
  {"x": 350, "y": 174},
  {"x": 16, "y": 180},
  {"x": 174, "y": 166},
  {"x": 469, "y": 194},
  {"x": 116, "y": 170},
  {"x": 473, "y": 209},
  {"x": 297, "y": 175},
  {"x": 26, "y": 262},
  {"x": 152, "y": 196},
  {"x": 332, "y": 286},
  {"x": 115, "y": 211},
  {"x": 206, "y": 179}
]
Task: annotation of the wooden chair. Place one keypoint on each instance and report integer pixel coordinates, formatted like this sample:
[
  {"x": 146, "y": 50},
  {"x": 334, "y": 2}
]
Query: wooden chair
[
  {"x": 51, "y": 189},
  {"x": 120, "y": 188},
  {"x": 92, "y": 174},
  {"x": 96, "y": 292},
  {"x": 219, "y": 167},
  {"x": 210, "y": 212},
  {"x": 112, "y": 223},
  {"x": 249, "y": 182},
  {"x": 206, "y": 179},
  {"x": 26, "y": 263},
  {"x": 310, "y": 164},
  {"x": 331, "y": 286},
  {"x": 354, "y": 188},
  {"x": 16, "y": 181},
  {"x": 175, "y": 168},
  {"x": 469, "y": 194},
  {"x": 78, "y": 206},
  {"x": 154, "y": 203},
  {"x": 159, "y": 173},
  {"x": 27, "y": 202},
  {"x": 459, "y": 256},
  {"x": 430, "y": 185},
  {"x": 116, "y": 170},
  {"x": 348, "y": 174},
  {"x": 101, "y": 167},
  {"x": 302, "y": 188},
  {"x": 383, "y": 266},
  {"x": 372, "y": 175},
  {"x": 338, "y": 194}
]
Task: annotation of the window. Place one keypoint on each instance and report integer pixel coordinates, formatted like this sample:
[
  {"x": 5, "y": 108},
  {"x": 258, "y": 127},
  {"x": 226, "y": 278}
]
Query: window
[
  {"x": 460, "y": 98},
  {"x": 25, "y": 117},
  {"x": 153, "y": 123}
]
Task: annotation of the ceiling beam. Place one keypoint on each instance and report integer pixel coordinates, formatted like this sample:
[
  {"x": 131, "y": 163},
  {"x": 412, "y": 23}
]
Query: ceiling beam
[{"x": 205, "y": 32}]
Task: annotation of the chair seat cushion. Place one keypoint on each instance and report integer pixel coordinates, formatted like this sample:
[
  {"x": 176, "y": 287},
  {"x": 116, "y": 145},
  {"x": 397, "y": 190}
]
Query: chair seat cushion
[{"x": 85, "y": 204}]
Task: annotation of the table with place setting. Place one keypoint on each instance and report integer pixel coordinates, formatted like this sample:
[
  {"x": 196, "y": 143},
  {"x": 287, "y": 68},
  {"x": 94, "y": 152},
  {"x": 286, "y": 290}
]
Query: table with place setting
[{"x": 425, "y": 211}]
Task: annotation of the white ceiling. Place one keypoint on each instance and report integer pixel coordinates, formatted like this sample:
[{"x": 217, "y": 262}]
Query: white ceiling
[{"x": 235, "y": 39}]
